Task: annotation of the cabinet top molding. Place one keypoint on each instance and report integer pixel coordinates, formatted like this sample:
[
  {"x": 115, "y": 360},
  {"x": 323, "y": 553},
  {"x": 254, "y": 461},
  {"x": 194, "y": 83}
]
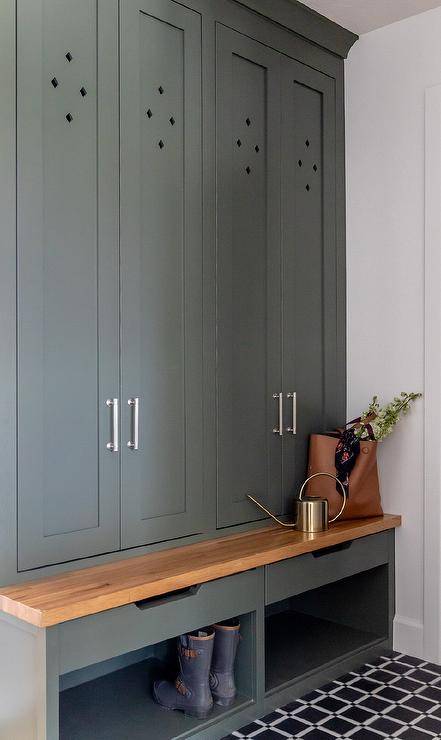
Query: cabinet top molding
[
  {"x": 79, "y": 593},
  {"x": 306, "y": 22}
]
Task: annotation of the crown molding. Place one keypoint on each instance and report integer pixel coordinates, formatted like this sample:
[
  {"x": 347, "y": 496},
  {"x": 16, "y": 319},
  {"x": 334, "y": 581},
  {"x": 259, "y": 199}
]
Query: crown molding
[{"x": 305, "y": 22}]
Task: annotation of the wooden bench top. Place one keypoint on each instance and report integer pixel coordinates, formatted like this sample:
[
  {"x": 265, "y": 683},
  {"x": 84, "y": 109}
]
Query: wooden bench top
[{"x": 78, "y": 593}]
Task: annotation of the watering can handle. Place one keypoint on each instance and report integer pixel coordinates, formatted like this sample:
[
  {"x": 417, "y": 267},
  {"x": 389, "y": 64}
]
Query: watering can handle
[{"x": 328, "y": 475}]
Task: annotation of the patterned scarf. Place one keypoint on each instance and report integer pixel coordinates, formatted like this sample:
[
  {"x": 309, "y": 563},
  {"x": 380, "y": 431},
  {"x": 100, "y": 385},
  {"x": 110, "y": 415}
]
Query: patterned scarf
[{"x": 348, "y": 449}]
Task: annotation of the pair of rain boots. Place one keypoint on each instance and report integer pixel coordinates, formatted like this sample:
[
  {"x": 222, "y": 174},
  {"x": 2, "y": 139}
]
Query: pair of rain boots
[{"x": 206, "y": 671}]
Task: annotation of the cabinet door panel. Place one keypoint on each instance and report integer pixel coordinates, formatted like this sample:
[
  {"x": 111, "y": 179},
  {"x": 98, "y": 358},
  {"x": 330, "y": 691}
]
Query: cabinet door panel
[
  {"x": 161, "y": 250},
  {"x": 67, "y": 142},
  {"x": 248, "y": 273},
  {"x": 309, "y": 257}
]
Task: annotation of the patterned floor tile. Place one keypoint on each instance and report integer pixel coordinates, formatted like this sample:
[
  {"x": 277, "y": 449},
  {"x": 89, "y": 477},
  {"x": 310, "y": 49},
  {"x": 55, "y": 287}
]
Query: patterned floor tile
[{"x": 395, "y": 696}]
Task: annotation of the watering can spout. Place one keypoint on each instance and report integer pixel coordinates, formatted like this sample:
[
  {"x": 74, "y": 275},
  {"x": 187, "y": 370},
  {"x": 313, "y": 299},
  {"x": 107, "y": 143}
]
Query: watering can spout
[{"x": 312, "y": 512}]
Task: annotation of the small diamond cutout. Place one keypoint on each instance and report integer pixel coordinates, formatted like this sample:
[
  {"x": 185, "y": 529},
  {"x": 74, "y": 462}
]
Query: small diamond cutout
[
  {"x": 308, "y": 188},
  {"x": 307, "y": 142},
  {"x": 149, "y": 113},
  {"x": 238, "y": 142},
  {"x": 69, "y": 117},
  {"x": 161, "y": 144},
  {"x": 314, "y": 167},
  {"x": 160, "y": 90},
  {"x": 172, "y": 120},
  {"x": 248, "y": 122},
  {"x": 54, "y": 82},
  {"x": 69, "y": 56},
  {"x": 256, "y": 148},
  {"x": 83, "y": 92},
  {"x": 300, "y": 162},
  {"x": 248, "y": 170}
]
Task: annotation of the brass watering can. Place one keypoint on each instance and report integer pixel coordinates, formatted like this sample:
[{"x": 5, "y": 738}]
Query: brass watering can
[{"x": 312, "y": 512}]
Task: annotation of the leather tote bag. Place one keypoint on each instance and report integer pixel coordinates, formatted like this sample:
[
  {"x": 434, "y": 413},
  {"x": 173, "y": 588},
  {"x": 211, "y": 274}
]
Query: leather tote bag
[{"x": 364, "y": 498}]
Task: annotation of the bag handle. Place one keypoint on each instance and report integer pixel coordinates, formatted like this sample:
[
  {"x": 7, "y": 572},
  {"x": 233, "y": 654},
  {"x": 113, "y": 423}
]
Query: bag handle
[{"x": 358, "y": 423}]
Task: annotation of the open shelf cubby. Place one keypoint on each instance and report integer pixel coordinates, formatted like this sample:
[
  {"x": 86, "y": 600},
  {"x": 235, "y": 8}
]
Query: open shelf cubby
[
  {"x": 119, "y": 705},
  {"x": 305, "y": 633}
]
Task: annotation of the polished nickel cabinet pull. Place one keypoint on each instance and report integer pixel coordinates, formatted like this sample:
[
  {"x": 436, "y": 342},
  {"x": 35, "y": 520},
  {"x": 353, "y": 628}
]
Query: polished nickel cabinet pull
[
  {"x": 113, "y": 405},
  {"x": 133, "y": 443},
  {"x": 293, "y": 428},
  {"x": 279, "y": 429}
]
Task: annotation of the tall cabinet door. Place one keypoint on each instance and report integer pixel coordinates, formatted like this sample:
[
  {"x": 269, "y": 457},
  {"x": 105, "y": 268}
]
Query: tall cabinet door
[
  {"x": 248, "y": 274},
  {"x": 67, "y": 142},
  {"x": 161, "y": 253},
  {"x": 309, "y": 261}
]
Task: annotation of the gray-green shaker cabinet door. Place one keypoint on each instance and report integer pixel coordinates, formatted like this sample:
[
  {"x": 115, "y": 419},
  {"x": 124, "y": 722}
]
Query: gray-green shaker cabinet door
[
  {"x": 309, "y": 260},
  {"x": 248, "y": 275},
  {"x": 67, "y": 142},
  {"x": 161, "y": 259}
]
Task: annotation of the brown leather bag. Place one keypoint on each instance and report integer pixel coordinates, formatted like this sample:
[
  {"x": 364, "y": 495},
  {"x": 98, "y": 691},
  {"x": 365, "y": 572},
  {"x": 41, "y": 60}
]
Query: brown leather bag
[{"x": 364, "y": 489}]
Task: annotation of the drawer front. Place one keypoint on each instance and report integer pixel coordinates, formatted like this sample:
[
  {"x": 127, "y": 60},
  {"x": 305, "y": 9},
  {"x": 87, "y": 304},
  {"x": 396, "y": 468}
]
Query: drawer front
[
  {"x": 99, "y": 637},
  {"x": 302, "y": 573}
]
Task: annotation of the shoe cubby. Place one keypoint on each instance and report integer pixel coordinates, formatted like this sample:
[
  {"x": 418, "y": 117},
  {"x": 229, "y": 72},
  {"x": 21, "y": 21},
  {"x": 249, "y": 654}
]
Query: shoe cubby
[
  {"x": 115, "y": 697},
  {"x": 311, "y": 631}
]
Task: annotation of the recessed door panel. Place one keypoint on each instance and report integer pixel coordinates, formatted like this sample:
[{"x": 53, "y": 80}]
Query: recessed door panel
[
  {"x": 309, "y": 258},
  {"x": 161, "y": 251},
  {"x": 67, "y": 123},
  {"x": 248, "y": 272}
]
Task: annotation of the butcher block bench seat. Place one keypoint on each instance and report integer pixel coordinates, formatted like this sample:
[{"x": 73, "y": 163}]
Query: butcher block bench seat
[{"x": 79, "y": 593}]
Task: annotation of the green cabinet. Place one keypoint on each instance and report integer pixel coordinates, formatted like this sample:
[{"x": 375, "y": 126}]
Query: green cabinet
[
  {"x": 161, "y": 270},
  {"x": 249, "y": 345},
  {"x": 309, "y": 264},
  {"x": 178, "y": 304},
  {"x": 94, "y": 311},
  {"x": 67, "y": 281},
  {"x": 277, "y": 272}
]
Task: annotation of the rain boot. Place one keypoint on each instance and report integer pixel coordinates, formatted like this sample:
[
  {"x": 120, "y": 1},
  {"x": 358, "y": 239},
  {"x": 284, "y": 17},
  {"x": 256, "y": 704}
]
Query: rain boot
[
  {"x": 226, "y": 640},
  {"x": 190, "y": 693}
]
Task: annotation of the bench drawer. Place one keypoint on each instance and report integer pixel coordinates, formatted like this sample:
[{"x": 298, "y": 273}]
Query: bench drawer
[
  {"x": 99, "y": 637},
  {"x": 304, "y": 572}
]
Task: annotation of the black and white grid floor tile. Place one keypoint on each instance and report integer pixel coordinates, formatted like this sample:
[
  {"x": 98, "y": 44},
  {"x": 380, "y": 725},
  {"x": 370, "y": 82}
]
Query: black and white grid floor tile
[{"x": 395, "y": 696}]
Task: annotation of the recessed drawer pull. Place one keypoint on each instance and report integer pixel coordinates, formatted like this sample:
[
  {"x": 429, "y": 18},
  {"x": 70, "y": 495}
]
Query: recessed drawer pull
[
  {"x": 330, "y": 550},
  {"x": 178, "y": 595}
]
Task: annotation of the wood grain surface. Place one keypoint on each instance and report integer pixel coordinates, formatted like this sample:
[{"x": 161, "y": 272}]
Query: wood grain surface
[{"x": 78, "y": 593}]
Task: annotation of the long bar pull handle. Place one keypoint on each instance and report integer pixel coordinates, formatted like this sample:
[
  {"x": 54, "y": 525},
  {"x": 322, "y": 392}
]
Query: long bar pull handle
[
  {"x": 293, "y": 428},
  {"x": 133, "y": 443},
  {"x": 113, "y": 405},
  {"x": 279, "y": 429}
]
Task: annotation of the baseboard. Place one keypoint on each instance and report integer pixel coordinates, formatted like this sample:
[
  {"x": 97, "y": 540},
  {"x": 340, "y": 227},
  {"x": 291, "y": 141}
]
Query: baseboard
[{"x": 408, "y": 636}]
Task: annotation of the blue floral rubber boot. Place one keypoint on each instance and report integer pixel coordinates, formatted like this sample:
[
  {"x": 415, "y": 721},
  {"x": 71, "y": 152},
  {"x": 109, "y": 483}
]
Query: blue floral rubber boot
[
  {"x": 190, "y": 693},
  {"x": 226, "y": 640}
]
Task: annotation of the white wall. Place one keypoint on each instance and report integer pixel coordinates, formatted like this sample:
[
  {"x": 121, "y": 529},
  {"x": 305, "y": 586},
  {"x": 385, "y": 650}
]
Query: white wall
[{"x": 387, "y": 74}]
